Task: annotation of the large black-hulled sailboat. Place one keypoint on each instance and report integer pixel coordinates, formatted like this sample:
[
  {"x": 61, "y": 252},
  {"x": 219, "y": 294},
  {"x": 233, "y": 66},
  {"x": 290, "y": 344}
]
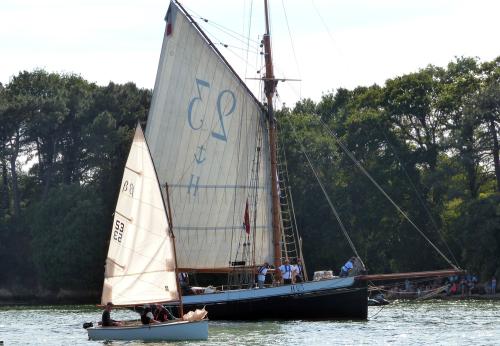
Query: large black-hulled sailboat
[{"x": 214, "y": 144}]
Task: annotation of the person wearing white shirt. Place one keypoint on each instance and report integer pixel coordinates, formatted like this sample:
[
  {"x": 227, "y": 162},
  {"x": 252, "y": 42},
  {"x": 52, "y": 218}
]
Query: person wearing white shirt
[
  {"x": 298, "y": 271},
  {"x": 286, "y": 272},
  {"x": 261, "y": 275}
]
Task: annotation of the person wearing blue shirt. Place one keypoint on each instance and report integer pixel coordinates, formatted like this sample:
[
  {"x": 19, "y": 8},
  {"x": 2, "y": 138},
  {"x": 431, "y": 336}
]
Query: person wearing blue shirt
[{"x": 346, "y": 268}]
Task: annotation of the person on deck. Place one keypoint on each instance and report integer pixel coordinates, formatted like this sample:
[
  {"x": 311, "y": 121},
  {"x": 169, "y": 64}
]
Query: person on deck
[
  {"x": 147, "y": 315},
  {"x": 106, "y": 320},
  {"x": 261, "y": 274},
  {"x": 493, "y": 285},
  {"x": 346, "y": 268},
  {"x": 286, "y": 272},
  {"x": 184, "y": 284},
  {"x": 358, "y": 267},
  {"x": 298, "y": 270}
]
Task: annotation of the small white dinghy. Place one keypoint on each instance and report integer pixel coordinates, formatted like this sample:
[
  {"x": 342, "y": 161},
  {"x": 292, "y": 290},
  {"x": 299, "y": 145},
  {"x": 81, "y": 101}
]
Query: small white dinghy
[
  {"x": 141, "y": 266},
  {"x": 168, "y": 331}
]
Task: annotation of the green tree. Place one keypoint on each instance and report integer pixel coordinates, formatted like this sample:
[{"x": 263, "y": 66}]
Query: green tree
[{"x": 69, "y": 238}]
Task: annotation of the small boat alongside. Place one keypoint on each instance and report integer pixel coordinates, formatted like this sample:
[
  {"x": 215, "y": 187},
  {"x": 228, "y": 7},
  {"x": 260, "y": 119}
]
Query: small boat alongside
[
  {"x": 168, "y": 331},
  {"x": 141, "y": 266},
  {"x": 378, "y": 300}
]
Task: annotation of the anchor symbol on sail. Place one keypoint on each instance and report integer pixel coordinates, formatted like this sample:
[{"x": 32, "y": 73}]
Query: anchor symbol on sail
[{"x": 198, "y": 157}]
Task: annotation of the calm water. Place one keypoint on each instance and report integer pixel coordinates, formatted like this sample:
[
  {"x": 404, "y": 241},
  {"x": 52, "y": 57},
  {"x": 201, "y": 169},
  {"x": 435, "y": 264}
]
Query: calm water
[{"x": 403, "y": 323}]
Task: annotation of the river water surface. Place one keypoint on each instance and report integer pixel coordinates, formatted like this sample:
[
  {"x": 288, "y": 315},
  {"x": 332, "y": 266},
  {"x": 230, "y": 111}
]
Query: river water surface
[{"x": 402, "y": 323}]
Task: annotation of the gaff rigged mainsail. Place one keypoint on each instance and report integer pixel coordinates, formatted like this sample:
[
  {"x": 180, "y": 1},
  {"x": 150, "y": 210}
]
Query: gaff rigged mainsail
[
  {"x": 208, "y": 138},
  {"x": 140, "y": 266}
]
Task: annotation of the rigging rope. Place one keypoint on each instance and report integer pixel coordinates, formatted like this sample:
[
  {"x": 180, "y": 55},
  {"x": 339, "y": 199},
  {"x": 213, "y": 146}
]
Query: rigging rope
[
  {"x": 248, "y": 36},
  {"x": 236, "y": 35},
  {"x": 434, "y": 224},
  {"x": 326, "y": 27},
  {"x": 365, "y": 172},
  {"x": 291, "y": 43},
  {"x": 337, "y": 216}
]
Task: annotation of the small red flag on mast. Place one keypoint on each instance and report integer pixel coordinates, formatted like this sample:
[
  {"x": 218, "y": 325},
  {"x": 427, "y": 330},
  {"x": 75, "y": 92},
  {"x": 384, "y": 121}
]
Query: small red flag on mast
[
  {"x": 168, "y": 19},
  {"x": 247, "y": 219}
]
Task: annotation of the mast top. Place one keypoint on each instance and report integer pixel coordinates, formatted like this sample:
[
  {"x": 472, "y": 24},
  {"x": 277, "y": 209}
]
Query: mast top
[{"x": 270, "y": 82}]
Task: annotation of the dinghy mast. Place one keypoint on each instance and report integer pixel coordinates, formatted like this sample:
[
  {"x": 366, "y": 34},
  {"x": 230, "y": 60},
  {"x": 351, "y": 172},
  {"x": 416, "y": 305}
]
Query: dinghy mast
[{"x": 172, "y": 235}]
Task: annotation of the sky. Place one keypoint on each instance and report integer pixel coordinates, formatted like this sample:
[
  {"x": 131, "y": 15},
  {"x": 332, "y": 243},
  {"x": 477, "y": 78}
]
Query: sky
[{"x": 326, "y": 44}]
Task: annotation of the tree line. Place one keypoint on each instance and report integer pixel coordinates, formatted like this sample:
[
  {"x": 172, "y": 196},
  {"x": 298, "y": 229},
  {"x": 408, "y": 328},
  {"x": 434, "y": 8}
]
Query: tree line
[
  {"x": 63, "y": 145},
  {"x": 429, "y": 138}
]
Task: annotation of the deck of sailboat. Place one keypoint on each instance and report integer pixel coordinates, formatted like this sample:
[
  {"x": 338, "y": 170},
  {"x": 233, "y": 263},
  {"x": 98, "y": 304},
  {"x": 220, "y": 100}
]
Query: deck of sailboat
[
  {"x": 339, "y": 298},
  {"x": 266, "y": 292}
]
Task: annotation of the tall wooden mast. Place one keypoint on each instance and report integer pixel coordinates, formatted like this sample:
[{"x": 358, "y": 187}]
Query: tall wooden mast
[{"x": 269, "y": 89}]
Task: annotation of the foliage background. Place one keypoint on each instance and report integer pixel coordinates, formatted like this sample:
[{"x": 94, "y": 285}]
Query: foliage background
[{"x": 429, "y": 138}]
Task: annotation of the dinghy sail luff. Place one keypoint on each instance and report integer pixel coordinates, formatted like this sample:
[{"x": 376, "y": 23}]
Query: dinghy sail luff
[
  {"x": 140, "y": 267},
  {"x": 208, "y": 137}
]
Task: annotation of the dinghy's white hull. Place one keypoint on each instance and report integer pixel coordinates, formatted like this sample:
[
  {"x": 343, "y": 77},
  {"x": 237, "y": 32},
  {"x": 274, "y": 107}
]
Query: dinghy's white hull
[{"x": 170, "y": 331}]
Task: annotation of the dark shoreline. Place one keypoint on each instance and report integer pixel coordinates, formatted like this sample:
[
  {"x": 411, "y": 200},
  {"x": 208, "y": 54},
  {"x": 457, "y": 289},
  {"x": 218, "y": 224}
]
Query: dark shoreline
[{"x": 48, "y": 297}]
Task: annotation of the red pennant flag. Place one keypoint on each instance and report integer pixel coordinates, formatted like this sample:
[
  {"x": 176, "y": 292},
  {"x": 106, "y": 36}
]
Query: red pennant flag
[
  {"x": 168, "y": 19},
  {"x": 247, "y": 219}
]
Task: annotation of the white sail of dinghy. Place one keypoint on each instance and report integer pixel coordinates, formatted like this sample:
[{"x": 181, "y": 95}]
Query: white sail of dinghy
[
  {"x": 208, "y": 138},
  {"x": 140, "y": 267}
]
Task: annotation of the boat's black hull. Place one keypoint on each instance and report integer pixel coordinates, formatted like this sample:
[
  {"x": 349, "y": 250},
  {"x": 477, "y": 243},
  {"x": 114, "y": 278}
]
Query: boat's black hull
[{"x": 337, "y": 303}]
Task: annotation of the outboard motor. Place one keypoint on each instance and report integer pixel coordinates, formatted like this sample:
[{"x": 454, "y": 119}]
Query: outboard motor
[{"x": 88, "y": 325}]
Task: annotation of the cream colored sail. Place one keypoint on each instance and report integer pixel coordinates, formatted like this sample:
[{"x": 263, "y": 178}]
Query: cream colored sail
[
  {"x": 140, "y": 267},
  {"x": 208, "y": 138}
]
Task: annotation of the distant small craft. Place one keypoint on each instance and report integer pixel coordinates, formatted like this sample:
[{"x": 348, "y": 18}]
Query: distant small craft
[{"x": 377, "y": 302}]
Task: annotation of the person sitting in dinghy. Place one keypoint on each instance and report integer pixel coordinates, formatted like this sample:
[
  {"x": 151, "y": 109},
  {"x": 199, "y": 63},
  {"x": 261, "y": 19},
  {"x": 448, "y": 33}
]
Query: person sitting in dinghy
[
  {"x": 147, "y": 315},
  {"x": 106, "y": 320},
  {"x": 160, "y": 313}
]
